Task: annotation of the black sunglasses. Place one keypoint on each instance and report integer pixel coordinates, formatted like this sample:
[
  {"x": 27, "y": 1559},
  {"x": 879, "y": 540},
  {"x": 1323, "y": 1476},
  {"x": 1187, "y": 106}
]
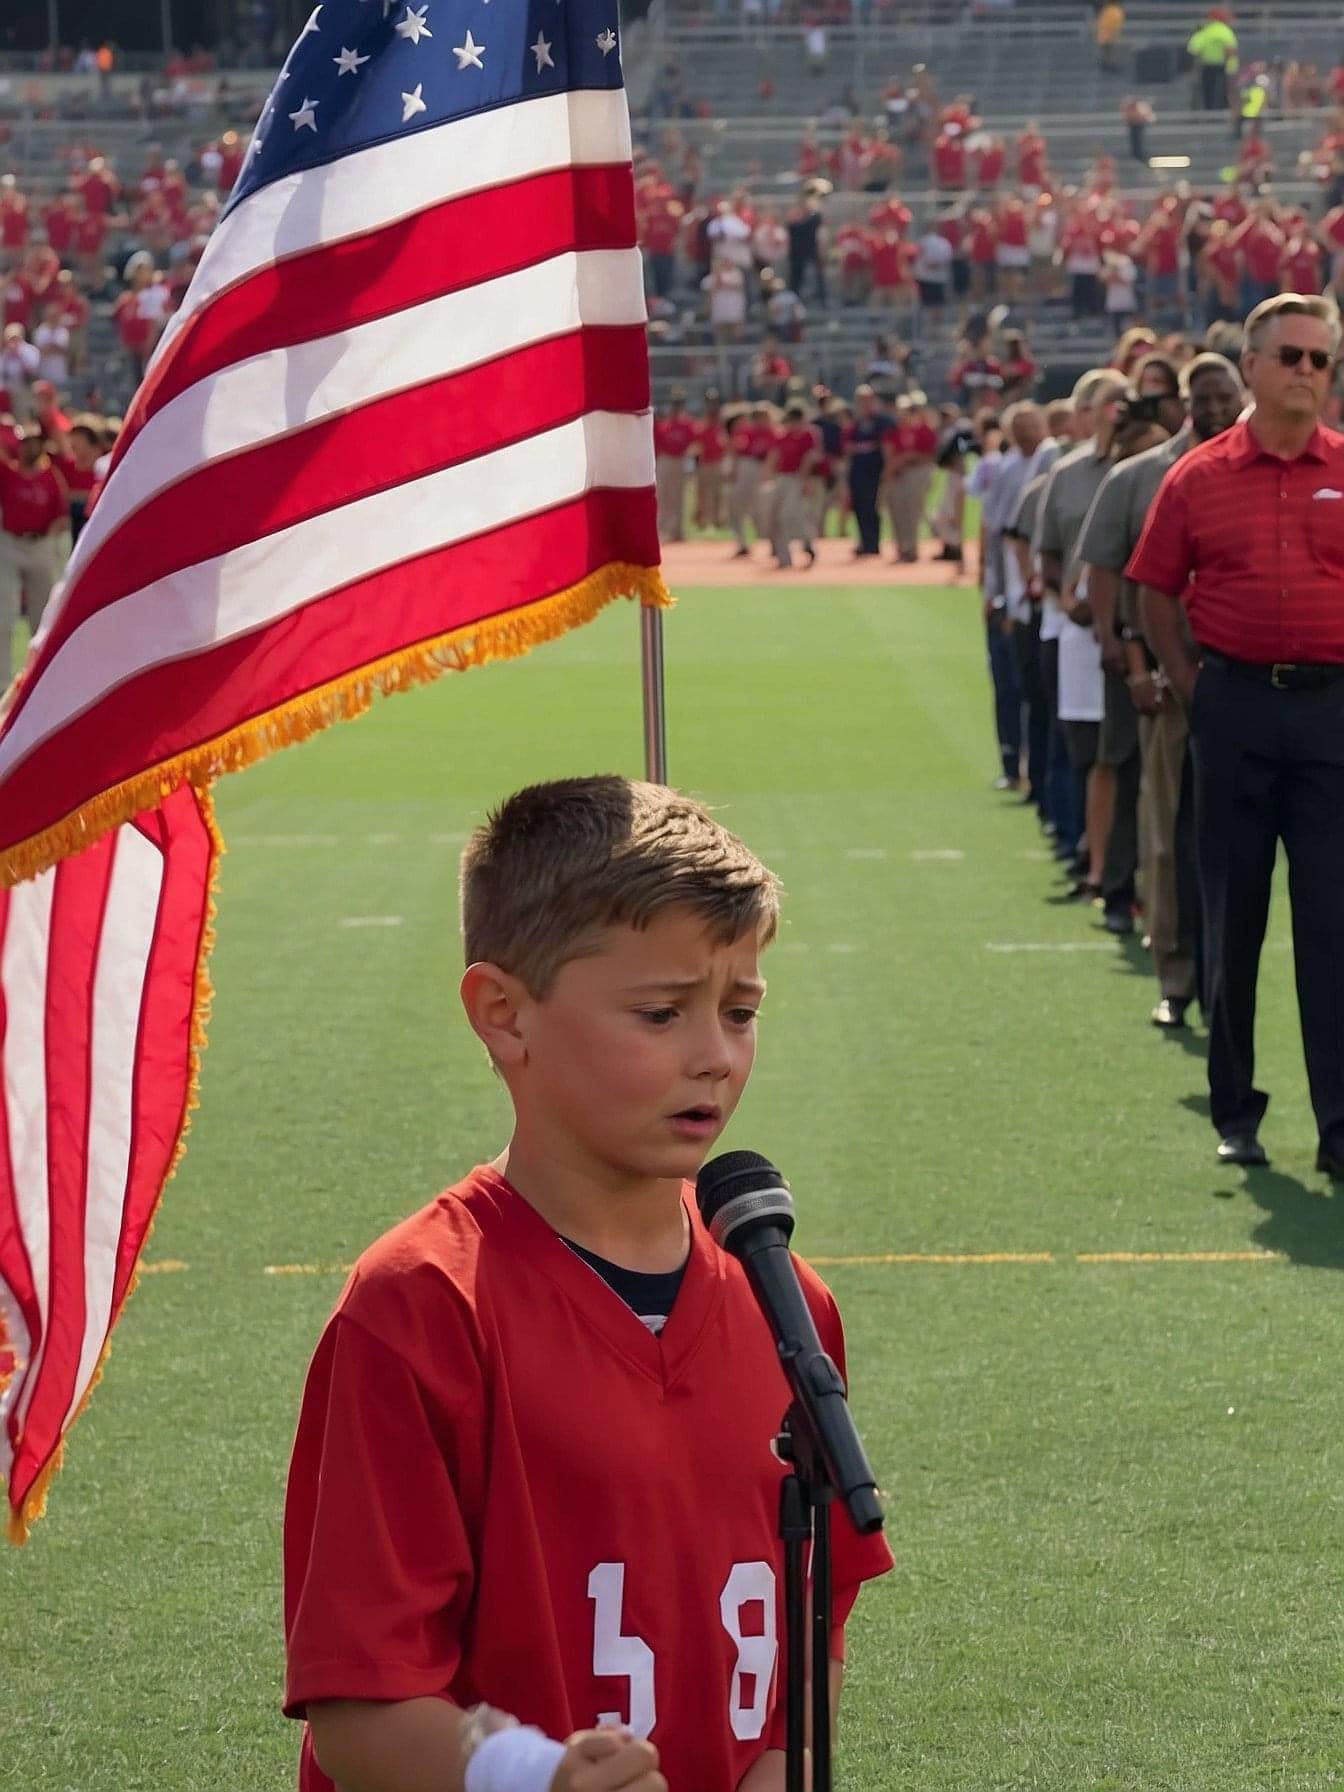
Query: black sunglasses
[{"x": 1289, "y": 356}]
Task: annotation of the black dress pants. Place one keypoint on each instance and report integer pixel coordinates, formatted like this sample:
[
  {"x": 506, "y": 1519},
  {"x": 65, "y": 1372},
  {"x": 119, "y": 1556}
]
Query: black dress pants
[
  {"x": 865, "y": 475},
  {"x": 1269, "y": 766}
]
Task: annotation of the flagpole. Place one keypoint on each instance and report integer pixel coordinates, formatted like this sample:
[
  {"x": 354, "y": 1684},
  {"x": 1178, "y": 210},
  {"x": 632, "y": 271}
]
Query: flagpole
[{"x": 651, "y": 678}]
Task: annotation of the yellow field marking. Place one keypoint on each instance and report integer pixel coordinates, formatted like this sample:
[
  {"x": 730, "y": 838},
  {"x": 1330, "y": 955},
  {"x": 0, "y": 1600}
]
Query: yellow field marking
[
  {"x": 939, "y": 1257},
  {"x": 1181, "y": 1257},
  {"x": 307, "y": 1269},
  {"x": 163, "y": 1266}
]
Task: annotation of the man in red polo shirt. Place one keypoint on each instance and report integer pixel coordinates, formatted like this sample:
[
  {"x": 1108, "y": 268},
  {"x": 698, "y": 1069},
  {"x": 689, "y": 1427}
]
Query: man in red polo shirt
[
  {"x": 710, "y": 448},
  {"x": 34, "y": 512},
  {"x": 796, "y": 450},
  {"x": 1247, "y": 531},
  {"x": 673, "y": 434}
]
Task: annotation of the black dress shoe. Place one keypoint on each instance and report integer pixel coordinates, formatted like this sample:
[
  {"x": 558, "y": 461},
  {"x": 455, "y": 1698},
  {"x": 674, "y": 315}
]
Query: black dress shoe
[
  {"x": 1241, "y": 1148},
  {"x": 1169, "y": 1013},
  {"x": 1332, "y": 1166},
  {"x": 1118, "y": 921}
]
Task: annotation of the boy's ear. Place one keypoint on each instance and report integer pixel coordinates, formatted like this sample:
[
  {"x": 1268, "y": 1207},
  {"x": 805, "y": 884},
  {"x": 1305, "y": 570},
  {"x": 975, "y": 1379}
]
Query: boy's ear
[{"x": 494, "y": 1000}]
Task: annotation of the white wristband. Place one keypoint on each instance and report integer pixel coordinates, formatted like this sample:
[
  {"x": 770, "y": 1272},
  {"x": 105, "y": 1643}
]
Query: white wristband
[{"x": 516, "y": 1760}]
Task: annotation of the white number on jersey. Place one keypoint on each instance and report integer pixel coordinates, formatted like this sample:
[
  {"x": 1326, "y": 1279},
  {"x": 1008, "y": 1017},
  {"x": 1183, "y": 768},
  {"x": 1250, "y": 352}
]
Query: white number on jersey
[{"x": 630, "y": 1657}]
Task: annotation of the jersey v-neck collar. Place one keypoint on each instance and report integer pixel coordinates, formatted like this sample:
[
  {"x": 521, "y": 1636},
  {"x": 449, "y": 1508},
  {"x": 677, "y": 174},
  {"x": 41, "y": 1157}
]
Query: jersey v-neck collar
[{"x": 663, "y": 1357}]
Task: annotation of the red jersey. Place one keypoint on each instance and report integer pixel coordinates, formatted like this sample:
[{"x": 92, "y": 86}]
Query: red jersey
[
  {"x": 489, "y": 1441},
  {"x": 1255, "y": 546},
  {"x": 17, "y": 298},
  {"x": 80, "y": 481},
  {"x": 1163, "y": 253},
  {"x": 989, "y": 165},
  {"x": 1224, "y": 263},
  {"x": 912, "y": 438},
  {"x": 792, "y": 446},
  {"x": 90, "y": 232},
  {"x": 1031, "y": 160},
  {"x": 1012, "y": 227},
  {"x": 673, "y": 435},
  {"x": 14, "y": 221},
  {"x": 711, "y": 442},
  {"x": 891, "y": 259},
  {"x": 31, "y": 502},
  {"x": 59, "y": 225},
  {"x": 856, "y": 247},
  {"x": 97, "y": 190},
  {"x": 1261, "y": 245},
  {"x": 890, "y": 214},
  {"x": 983, "y": 239},
  {"x": 949, "y": 161},
  {"x": 1300, "y": 269}
]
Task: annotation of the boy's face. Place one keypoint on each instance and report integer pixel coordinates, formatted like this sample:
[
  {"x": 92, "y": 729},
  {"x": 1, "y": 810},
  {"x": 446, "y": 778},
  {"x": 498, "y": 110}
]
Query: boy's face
[{"x": 640, "y": 1052}]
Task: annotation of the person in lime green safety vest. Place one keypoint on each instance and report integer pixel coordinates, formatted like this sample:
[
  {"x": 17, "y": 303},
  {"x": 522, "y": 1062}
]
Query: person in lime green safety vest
[
  {"x": 1214, "y": 48},
  {"x": 1254, "y": 99}
]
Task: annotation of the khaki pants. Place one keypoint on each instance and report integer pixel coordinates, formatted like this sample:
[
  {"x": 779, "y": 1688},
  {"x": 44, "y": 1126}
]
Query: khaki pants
[
  {"x": 28, "y": 570},
  {"x": 744, "y": 495},
  {"x": 709, "y": 495},
  {"x": 789, "y": 520},
  {"x": 906, "y": 493},
  {"x": 670, "y": 477},
  {"x": 1162, "y": 739}
]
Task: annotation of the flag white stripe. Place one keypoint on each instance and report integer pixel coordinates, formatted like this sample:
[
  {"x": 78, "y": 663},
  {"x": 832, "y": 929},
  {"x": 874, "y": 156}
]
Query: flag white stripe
[
  {"x": 126, "y": 937},
  {"x": 251, "y": 586},
  {"x": 23, "y": 977},
  {"x": 11, "y": 1319},
  {"x": 269, "y": 394},
  {"x": 376, "y": 186}
]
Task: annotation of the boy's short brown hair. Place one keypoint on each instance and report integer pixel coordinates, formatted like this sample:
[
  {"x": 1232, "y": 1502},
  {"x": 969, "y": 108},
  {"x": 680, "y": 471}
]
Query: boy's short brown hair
[{"x": 558, "y": 862}]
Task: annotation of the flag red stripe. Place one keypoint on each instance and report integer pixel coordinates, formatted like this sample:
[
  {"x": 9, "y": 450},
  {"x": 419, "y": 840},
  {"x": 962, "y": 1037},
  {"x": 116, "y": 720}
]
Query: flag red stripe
[
  {"x": 164, "y": 1046},
  {"x": 77, "y": 907},
  {"x": 308, "y": 471},
  {"x": 173, "y": 707},
  {"x": 445, "y": 248},
  {"x": 161, "y": 1088}
]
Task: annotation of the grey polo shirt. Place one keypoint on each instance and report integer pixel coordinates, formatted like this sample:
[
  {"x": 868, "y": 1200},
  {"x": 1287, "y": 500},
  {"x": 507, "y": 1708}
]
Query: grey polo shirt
[
  {"x": 1115, "y": 521},
  {"x": 1073, "y": 483}
]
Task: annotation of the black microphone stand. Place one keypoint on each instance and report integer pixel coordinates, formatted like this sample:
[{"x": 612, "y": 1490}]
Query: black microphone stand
[{"x": 805, "y": 1496}]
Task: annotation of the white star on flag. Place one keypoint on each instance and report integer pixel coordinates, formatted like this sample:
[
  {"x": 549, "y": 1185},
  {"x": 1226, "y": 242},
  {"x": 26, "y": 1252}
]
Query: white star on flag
[
  {"x": 312, "y": 25},
  {"x": 413, "y": 25},
  {"x": 306, "y": 115},
  {"x": 469, "y": 54},
  {"x": 607, "y": 42},
  {"x": 542, "y": 51},
  {"x": 349, "y": 62},
  {"x": 413, "y": 102}
]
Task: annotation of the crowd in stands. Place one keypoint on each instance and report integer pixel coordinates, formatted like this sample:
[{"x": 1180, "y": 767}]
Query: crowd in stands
[{"x": 923, "y": 207}]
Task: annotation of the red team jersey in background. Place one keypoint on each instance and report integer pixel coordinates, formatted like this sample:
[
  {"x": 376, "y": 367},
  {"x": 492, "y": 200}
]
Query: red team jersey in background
[{"x": 505, "y": 1487}]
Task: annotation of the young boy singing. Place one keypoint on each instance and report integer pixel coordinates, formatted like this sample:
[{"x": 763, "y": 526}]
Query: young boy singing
[{"x": 533, "y": 1475}]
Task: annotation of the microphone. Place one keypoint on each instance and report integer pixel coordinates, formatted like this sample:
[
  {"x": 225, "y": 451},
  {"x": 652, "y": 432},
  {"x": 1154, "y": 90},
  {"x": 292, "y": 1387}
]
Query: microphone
[{"x": 747, "y": 1206}]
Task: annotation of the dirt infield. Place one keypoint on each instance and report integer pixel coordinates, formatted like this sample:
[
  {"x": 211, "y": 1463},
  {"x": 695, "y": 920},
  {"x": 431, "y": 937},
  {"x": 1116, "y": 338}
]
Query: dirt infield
[{"x": 690, "y": 563}]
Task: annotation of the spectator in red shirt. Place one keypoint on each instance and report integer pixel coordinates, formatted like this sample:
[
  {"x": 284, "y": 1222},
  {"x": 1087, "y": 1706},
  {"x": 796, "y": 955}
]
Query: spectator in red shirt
[
  {"x": 660, "y": 226},
  {"x": 1220, "y": 275},
  {"x": 1301, "y": 267},
  {"x": 793, "y": 454},
  {"x": 982, "y": 247},
  {"x": 1158, "y": 250},
  {"x": 97, "y": 186},
  {"x": 891, "y": 258},
  {"x": 710, "y": 449},
  {"x": 1012, "y": 252},
  {"x": 949, "y": 159},
  {"x": 855, "y": 247},
  {"x": 750, "y": 438},
  {"x": 1247, "y": 532},
  {"x": 908, "y": 448},
  {"x": 990, "y": 159},
  {"x": 1031, "y": 155},
  {"x": 674, "y": 433},
  {"x": 90, "y": 236},
  {"x": 1259, "y": 241},
  {"x": 58, "y": 222},
  {"x": 13, "y": 222},
  {"x": 34, "y": 519}
]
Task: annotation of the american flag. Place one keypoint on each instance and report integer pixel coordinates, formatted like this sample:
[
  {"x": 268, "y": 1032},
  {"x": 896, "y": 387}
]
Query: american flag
[{"x": 400, "y": 424}]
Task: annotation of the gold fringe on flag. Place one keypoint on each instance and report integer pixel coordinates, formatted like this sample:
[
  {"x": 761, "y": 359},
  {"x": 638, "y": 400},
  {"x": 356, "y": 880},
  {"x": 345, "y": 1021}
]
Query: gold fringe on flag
[
  {"x": 498, "y": 637},
  {"x": 501, "y": 637}
]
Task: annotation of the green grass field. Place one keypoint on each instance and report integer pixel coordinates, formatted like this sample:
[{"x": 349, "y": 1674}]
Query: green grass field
[{"x": 1114, "y": 1487}]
